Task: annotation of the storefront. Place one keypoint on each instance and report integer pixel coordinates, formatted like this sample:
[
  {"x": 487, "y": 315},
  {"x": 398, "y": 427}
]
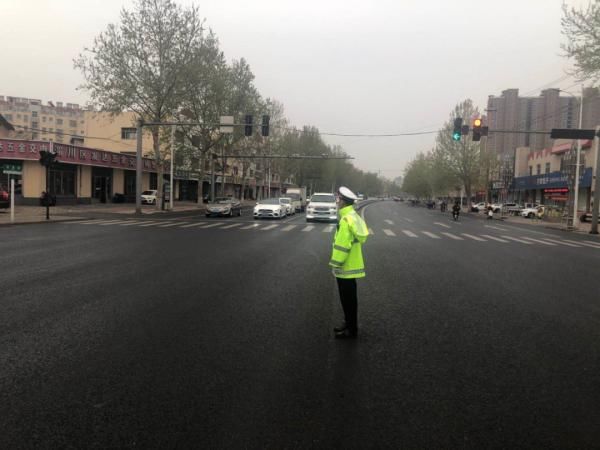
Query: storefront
[
  {"x": 552, "y": 189},
  {"x": 80, "y": 174}
]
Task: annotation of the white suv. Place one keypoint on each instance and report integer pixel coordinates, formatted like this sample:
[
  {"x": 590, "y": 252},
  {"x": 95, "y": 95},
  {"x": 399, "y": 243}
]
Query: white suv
[{"x": 322, "y": 206}]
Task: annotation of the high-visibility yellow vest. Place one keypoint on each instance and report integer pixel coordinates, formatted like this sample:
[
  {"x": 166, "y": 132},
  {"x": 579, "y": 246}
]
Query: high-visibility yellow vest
[{"x": 346, "y": 257}]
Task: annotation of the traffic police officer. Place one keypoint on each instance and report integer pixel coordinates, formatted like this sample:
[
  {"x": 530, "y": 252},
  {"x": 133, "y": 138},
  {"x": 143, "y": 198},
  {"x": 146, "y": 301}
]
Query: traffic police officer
[{"x": 346, "y": 259}]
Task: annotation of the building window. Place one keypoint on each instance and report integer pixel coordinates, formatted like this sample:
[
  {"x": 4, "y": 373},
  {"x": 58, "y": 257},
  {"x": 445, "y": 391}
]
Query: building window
[
  {"x": 34, "y": 114},
  {"x": 44, "y": 129},
  {"x": 35, "y": 125},
  {"x": 62, "y": 181},
  {"x": 128, "y": 133},
  {"x": 547, "y": 168},
  {"x": 538, "y": 169},
  {"x": 235, "y": 171},
  {"x": 43, "y": 118},
  {"x": 50, "y": 119},
  {"x": 129, "y": 187},
  {"x": 8, "y": 117},
  {"x": 530, "y": 170},
  {"x": 153, "y": 181},
  {"x": 25, "y": 118},
  {"x": 59, "y": 121},
  {"x": 73, "y": 123},
  {"x": 35, "y": 136},
  {"x": 18, "y": 116}
]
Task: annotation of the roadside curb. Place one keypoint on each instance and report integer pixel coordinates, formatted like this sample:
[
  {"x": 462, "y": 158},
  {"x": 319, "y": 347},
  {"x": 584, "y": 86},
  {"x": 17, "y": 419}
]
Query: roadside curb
[{"x": 44, "y": 221}]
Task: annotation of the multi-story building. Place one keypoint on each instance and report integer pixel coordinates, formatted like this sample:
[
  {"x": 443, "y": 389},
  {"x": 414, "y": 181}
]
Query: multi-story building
[{"x": 549, "y": 110}]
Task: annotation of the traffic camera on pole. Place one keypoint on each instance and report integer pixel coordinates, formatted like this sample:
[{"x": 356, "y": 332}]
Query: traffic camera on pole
[{"x": 457, "y": 133}]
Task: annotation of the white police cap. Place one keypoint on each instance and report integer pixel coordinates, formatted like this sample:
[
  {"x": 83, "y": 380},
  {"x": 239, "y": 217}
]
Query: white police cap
[{"x": 347, "y": 194}]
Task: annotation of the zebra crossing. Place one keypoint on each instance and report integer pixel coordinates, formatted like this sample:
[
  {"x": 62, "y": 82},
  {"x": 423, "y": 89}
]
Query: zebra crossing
[{"x": 449, "y": 234}]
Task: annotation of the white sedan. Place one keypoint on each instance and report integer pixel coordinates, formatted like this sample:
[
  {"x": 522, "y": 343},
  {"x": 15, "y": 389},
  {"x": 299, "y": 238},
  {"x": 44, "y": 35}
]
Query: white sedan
[
  {"x": 270, "y": 208},
  {"x": 290, "y": 207},
  {"x": 149, "y": 197}
]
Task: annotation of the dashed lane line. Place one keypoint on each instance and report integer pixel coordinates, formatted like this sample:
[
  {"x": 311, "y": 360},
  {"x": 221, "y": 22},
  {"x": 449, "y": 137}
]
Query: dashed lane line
[
  {"x": 197, "y": 224},
  {"x": 408, "y": 220},
  {"x": 308, "y": 228},
  {"x": 516, "y": 240},
  {"x": 211, "y": 225},
  {"x": 442, "y": 224},
  {"x": 389, "y": 222},
  {"x": 389, "y": 232},
  {"x": 253, "y": 225},
  {"x": 149, "y": 224},
  {"x": 493, "y": 238},
  {"x": 562, "y": 243},
  {"x": 475, "y": 238},
  {"x": 495, "y": 228},
  {"x": 173, "y": 224},
  {"x": 409, "y": 233},
  {"x": 232, "y": 225},
  {"x": 539, "y": 241},
  {"x": 99, "y": 222},
  {"x": 452, "y": 236},
  {"x": 135, "y": 222},
  {"x": 431, "y": 235}
]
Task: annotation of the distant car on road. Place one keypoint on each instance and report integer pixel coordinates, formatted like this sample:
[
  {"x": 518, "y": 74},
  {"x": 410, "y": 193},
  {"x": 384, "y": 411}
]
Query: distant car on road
[
  {"x": 4, "y": 199},
  {"x": 290, "y": 208},
  {"x": 322, "y": 206},
  {"x": 149, "y": 197},
  {"x": 530, "y": 213},
  {"x": 224, "y": 206},
  {"x": 270, "y": 208},
  {"x": 476, "y": 207}
]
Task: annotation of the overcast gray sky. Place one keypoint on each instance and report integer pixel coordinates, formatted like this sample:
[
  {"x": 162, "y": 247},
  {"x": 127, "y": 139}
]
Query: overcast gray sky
[{"x": 344, "y": 66}]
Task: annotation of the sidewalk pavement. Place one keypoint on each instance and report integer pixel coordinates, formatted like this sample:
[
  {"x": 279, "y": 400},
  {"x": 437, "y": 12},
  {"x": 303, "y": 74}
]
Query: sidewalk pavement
[{"x": 37, "y": 214}]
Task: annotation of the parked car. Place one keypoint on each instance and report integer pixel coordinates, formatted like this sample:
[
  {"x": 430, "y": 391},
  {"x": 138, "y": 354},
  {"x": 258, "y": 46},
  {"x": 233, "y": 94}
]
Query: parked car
[
  {"x": 512, "y": 208},
  {"x": 476, "y": 207},
  {"x": 497, "y": 207},
  {"x": 530, "y": 213},
  {"x": 149, "y": 197},
  {"x": 270, "y": 208},
  {"x": 586, "y": 217},
  {"x": 290, "y": 207},
  {"x": 322, "y": 206},
  {"x": 4, "y": 199},
  {"x": 224, "y": 207}
]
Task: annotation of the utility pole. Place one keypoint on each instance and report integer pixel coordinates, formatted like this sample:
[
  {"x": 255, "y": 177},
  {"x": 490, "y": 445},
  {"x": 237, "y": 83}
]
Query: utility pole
[
  {"x": 594, "y": 229},
  {"x": 576, "y": 188},
  {"x": 213, "y": 156},
  {"x": 138, "y": 167},
  {"x": 172, "y": 187}
]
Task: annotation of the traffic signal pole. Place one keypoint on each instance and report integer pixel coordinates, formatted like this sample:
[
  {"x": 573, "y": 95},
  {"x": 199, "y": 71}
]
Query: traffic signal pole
[
  {"x": 595, "y": 206},
  {"x": 138, "y": 167}
]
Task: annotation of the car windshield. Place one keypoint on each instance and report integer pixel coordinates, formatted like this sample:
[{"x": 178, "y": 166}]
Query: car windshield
[
  {"x": 294, "y": 196},
  {"x": 149, "y": 193},
  {"x": 223, "y": 200},
  {"x": 325, "y": 198},
  {"x": 269, "y": 201},
  {"x": 285, "y": 200}
]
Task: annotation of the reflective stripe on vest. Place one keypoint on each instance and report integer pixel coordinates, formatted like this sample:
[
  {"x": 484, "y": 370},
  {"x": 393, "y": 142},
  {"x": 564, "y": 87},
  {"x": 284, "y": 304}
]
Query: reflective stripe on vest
[{"x": 341, "y": 249}]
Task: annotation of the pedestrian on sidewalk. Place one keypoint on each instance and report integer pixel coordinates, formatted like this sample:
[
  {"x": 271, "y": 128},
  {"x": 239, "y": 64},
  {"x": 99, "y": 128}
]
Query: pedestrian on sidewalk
[{"x": 347, "y": 260}]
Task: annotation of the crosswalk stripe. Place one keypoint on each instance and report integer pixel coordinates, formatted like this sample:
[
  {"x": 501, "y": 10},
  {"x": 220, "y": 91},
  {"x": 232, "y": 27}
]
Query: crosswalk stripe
[
  {"x": 441, "y": 224},
  {"x": 89, "y": 222},
  {"x": 495, "y": 228},
  {"x": 389, "y": 222},
  {"x": 329, "y": 229},
  {"x": 431, "y": 235},
  {"x": 115, "y": 222},
  {"x": 516, "y": 240},
  {"x": 172, "y": 224},
  {"x": 100, "y": 222},
  {"x": 152, "y": 223},
  {"x": 269, "y": 227},
  {"x": 134, "y": 222},
  {"x": 253, "y": 225},
  {"x": 409, "y": 233},
  {"x": 539, "y": 242},
  {"x": 232, "y": 225},
  {"x": 452, "y": 236},
  {"x": 593, "y": 242},
  {"x": 562, "y": 243},
  {"x": 308, "y": 228},
  {"x": 475, "y": 238},
  {"x": 493, "y": 238},
  {"x": 408, "y": 220},
  {"x": 211, "y": 225},
  {"x": 190, "y": 225},
  {"x": 582, "y": 243},
  {"x": 389, "y": 232},
  {"x": 289, "y": 227}
]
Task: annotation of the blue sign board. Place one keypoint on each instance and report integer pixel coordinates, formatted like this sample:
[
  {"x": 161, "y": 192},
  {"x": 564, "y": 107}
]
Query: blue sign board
[{"x": 551, "y": 180}]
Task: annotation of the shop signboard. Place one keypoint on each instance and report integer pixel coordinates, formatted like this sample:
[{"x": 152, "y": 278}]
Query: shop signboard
[
  {"x": 551, "y": 180},
  {"x": 12, "y": 168}
]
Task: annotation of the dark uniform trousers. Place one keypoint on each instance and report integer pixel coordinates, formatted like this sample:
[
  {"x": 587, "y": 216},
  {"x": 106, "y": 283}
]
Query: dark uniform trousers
[{"x": 348, "y": 297}]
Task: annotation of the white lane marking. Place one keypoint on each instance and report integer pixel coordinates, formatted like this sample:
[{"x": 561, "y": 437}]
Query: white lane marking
[
  {"x": 197, "y": 224},
  {"x": 441, "y": 224},
  {"x": 149, "y": 224},
  {"x": 134, "y": 222},
  {"x": 210, "y": 225},
  {"x": 496, "y": 228},
  {"x": 431, "y": 235},
  {"x": 329, "y": 229},
  {"x": 452, "y": 236},
  {"x": 494, "y": 238},
  {"x": 269, "y": 227},
  {"x": 232, "y": 225},
  {"x": 593, "y": 242},
  {"x": 562, "y": 243},
  {"x": 540, "y": 242},
  {"x": 100, "y": 222},
  {"x": 389, "y": 232},
  {"x": 308, "y": 228},
  {"x": 582, "y": 243},
  {"x": 409, "y": 233},
  {"x": 253, "y": 225},
  {"x": 516, "y": 240},
  {"x": 389, "y": 222},
  {"x": 172, "y": 224},
  {"x": 118, "y": 222},
  {"x": 289, "y": 227},
  {"x": 408, "y": 220},
  {"x": 475, "y": 238}
]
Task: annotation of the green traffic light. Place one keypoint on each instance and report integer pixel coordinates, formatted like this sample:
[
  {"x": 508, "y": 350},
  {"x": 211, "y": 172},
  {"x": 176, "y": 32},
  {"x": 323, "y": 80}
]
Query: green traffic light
[{"x": 456, "y": 136}]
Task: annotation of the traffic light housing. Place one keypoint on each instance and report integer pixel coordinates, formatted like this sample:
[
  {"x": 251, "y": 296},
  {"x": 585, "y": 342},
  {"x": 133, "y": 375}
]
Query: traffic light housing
[
  {"x": 265, "y": 125},
  {"x": 457, "y": 132},
  {"x": 477, "y": 129},
  {"x": 248, "y": 125},
  {"x": 47, "y": 158}
]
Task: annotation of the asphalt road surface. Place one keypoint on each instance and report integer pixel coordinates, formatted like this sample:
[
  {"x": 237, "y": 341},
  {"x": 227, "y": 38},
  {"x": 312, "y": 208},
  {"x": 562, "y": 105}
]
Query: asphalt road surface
[{"x": 217, "y": 333}]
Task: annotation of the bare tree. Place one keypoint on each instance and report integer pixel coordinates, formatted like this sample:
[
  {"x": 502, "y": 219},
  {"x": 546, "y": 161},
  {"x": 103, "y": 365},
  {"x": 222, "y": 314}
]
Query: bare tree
[
  {"x": 582, "y": 29},
  {"x": 144, "y": 64}
]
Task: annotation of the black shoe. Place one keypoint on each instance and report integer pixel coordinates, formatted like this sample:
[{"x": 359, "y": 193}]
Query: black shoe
[
  {"x": 340, "y": 327},
  {"x": 346, "y": 334}
]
